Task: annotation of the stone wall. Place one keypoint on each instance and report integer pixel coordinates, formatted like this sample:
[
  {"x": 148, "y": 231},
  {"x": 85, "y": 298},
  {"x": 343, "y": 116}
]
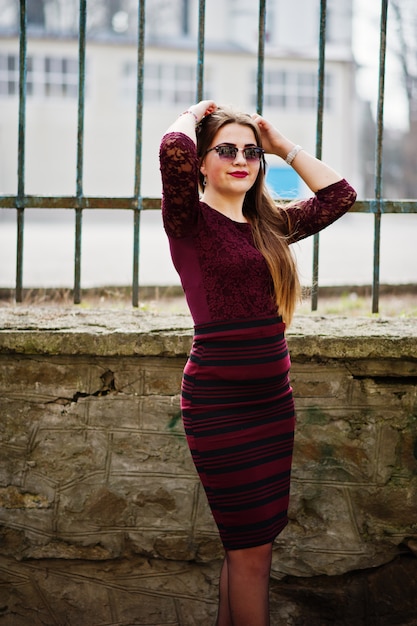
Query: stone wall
[{"x": 104, "y": 522}]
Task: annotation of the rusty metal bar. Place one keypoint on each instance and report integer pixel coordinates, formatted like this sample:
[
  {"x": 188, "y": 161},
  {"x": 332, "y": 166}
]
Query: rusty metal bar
[
  {"x": 261, "y": 57},
  {"x": 19, "y": 201},
  {"x": 80, "y": 150},
  {"x": 71, "y": 202},
  {"x": 29, "y": 202},
  {"x": 138, "y": 152},
  {"x": 385, "y": 206},
  {"x": 378, "y": 158},
  {"x": 319, "y": 141},
  {"x": 201, "y": 50}
]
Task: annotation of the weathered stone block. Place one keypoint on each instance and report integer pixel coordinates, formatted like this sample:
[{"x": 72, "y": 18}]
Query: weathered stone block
[
  {"x": 54, "y": 377},
  {"x": 161, "y": 413},
  {"x": 95, "y": 470},
  {"x": 37, "y": 525},
  {"x": 147, "y": 453},
  {"x": 162, "y": 377},
  {"x": 113, "y": 411},
  {"x": 386, "y": 513},
  {"x": 67, "y": 455},
  {"x": 310, "y": 381},
  {"x": 388, "y": 393},
  {"x": 328, "y": 451},
  {"x": 387, "y": 447},
  {"x": 12, "y": 465}
]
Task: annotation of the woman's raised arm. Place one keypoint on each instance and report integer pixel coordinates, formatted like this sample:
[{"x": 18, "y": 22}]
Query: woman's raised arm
[{"x": 316, "y": 174}]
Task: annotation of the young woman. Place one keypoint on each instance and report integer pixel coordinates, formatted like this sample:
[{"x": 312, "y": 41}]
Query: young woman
[{"x": 230, "y": 247}]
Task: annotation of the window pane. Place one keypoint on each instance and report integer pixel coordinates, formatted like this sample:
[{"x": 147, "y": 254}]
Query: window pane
[
  {"x": 12, "y": 62},
  {"x": 170, "y": 83}
]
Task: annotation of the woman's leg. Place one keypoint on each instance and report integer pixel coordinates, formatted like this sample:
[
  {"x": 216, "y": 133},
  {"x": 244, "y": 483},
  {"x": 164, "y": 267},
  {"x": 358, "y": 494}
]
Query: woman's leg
[
  {"x": 224, "y": 617},
  {"x": 245, "y": 580}
]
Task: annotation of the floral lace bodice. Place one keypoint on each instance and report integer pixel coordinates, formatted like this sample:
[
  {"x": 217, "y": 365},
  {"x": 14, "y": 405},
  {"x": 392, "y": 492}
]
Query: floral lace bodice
[{"x": 223, "y": 275}]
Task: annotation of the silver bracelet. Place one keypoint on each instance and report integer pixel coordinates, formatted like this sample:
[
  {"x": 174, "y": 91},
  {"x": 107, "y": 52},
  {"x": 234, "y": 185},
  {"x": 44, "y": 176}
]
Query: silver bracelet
[{"x": 292, "y": 154}]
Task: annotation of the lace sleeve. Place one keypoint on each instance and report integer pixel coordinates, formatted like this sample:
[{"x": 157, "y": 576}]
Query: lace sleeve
[
  {"x": 179, "y": 171},
  {"x": 309, "y": 216}
]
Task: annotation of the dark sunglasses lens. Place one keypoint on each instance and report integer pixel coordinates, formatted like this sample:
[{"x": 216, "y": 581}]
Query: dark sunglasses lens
[
  {"x": 252, "y": 154},
  {"x": 226, "y": 152}
]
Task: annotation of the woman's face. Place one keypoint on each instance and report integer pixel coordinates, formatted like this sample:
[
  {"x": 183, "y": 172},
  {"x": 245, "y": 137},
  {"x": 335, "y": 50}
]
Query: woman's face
[{"x": 235, "y": 175}]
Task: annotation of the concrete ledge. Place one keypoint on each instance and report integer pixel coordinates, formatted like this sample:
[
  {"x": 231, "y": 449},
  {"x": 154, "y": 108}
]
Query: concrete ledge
[{"x": 73, "y": 331}]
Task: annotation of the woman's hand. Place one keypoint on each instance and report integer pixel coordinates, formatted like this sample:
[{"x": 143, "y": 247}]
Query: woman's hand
[
  {"x": 314, "y": 172},
  {"x": 202, "y": 108},
  {"x": 273, "y": 142},
  {"x": 188, "y": 120}
]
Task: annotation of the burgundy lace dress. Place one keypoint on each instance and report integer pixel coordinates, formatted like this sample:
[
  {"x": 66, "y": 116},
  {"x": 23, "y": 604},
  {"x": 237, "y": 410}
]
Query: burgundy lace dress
[{"x": 236, "y": 399}]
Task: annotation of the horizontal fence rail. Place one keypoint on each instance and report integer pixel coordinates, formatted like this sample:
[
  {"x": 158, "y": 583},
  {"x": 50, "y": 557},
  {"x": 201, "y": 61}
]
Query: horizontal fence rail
[
  {"x": 378, "y": 206},
  {"x": 382, "y": 206}
]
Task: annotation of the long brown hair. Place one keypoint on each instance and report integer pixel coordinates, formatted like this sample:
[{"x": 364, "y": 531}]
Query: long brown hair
[{"x": 269, "y": 221}]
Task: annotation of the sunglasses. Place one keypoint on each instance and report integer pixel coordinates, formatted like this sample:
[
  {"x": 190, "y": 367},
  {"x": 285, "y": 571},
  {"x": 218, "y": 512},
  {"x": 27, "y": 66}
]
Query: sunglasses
[{"x": 229, "y": 153}]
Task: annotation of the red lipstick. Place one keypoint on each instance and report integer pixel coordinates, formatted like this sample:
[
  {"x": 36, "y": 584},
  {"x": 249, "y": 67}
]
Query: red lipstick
[{"x": 239, "y": 174}]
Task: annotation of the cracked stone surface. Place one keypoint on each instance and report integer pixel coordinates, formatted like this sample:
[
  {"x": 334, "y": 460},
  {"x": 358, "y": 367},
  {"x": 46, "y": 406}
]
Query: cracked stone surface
[{"x": 103, "y": 520}]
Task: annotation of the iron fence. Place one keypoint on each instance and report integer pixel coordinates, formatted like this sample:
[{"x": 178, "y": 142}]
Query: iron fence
[{"x": 378, "y": 206}]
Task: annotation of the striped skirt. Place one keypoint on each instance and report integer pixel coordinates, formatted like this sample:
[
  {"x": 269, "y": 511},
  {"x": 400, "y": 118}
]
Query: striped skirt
[{"x": 238, "y": 415}]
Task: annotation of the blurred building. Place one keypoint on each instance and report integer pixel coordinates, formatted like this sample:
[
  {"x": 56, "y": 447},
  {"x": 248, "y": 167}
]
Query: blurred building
[{"x": 290, "y": 86}]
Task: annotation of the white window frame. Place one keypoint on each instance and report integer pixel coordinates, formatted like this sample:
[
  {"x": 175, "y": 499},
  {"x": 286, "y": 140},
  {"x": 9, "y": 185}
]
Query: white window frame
[
  {"x": 295, "y": 90},
  {"x": 9, "y": 76},
  {"x": 48, "y": 76},
  {"x": 164, "y": 83}
]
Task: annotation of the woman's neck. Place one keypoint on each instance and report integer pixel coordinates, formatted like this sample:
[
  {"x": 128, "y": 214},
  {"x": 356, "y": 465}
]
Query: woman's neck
[{"x": 230, "y": 206}]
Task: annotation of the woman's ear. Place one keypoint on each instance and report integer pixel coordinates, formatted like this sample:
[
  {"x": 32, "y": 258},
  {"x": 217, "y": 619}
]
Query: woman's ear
[{"x": 203, "y": 169}]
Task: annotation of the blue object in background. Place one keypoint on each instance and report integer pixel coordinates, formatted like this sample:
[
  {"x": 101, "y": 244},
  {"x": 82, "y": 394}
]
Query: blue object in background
[{"x": 283, "y": 182}]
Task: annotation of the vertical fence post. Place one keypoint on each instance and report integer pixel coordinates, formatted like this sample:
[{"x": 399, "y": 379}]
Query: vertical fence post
[
  {"x": 261, "y": 58},
  {"x": 319, "y": 141},
  {"x": 378, "y": 157},
  {"x": 80, "y": 150},
  {"x": 20, "y": 201},
  {"x": 200, "y": 52},
  {"x": 138, "y": 151}
]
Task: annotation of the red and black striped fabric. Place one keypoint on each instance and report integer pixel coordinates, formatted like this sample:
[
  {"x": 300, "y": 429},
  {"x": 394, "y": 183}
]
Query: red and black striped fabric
[{"x": 238, "y": 415}]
